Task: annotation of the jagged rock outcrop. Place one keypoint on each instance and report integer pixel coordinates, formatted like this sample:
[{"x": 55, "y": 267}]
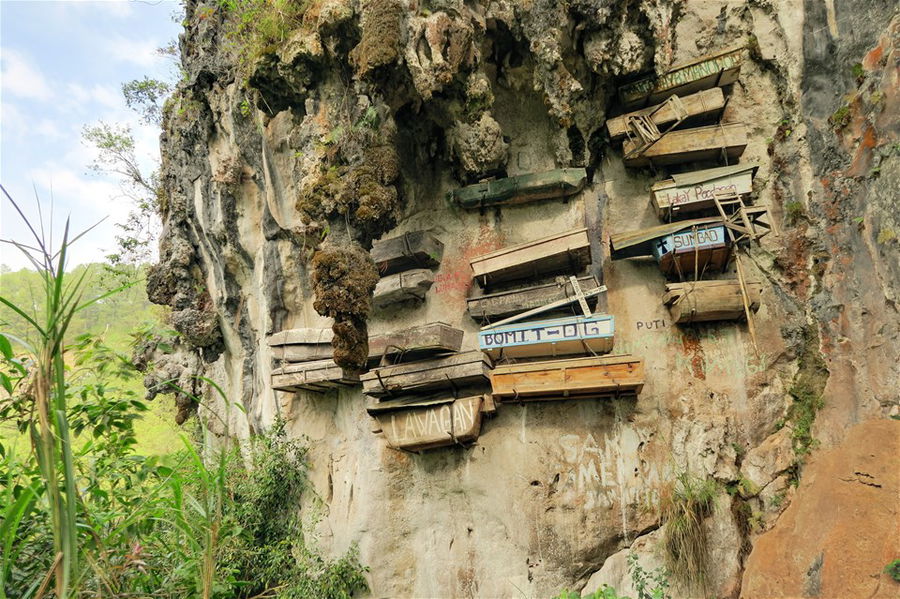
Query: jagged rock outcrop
[{"x": 284, "y": 157}]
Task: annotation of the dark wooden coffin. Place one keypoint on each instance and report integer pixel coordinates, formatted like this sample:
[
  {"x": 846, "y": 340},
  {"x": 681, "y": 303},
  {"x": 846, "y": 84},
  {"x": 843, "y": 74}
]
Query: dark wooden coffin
[
  {"x": 416, "y": 249},
  {"x": 450, "y": 372},
  {"x": 409, "y": 285},
  {"x": 605, "y": 376},
  {"x": 494, "y": 306},
  {"x": 415, "y": 342}
]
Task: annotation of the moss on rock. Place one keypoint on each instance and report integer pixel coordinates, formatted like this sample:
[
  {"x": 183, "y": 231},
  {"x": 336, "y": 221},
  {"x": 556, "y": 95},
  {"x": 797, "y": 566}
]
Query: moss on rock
[{"x": 380, "y": 43}]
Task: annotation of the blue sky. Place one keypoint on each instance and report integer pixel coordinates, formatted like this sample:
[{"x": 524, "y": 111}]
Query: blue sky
[{"x": 63, "y": 64}]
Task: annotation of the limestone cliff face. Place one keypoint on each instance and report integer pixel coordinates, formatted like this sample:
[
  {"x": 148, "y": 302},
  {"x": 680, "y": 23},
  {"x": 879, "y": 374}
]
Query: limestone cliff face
[{"x": 283, "y": 164}]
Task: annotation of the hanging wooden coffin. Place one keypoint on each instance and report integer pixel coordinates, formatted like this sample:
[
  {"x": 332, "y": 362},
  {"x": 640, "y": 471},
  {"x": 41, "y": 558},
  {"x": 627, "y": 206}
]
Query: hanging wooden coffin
[
  {"x": 555, "y": 337},
  {"x": 686, "y": 194},
  {"x": 416, "y": 342},
  {"x": 712, "y": 70},
  {"x": 418, "y": 425},
  {"x": 567, "y": 252},
  {"x": 321, "y": 375},
  {"x": 702, "y": 301},
  {"x": 557, "y": 183},
  {"x": 702, "y": 249},
  {"x": 416, "y": 249},
  {"x": 450, "y": 372},
  {"x": 301, "y": 345},
  {"x": 715, "y": 142},
  {"x": 600, "y": 376},
  {"x": 409, "y": 285},
  {"x": 506, "y": 303},
  {"x": 703, "y": 104}
]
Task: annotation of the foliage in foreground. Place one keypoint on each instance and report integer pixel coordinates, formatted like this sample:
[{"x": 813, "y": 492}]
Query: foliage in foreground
[
  {"x": 683, "y": 506},
  {"x": 649, "y": 585},
  {"x": 83, "y": 513}
]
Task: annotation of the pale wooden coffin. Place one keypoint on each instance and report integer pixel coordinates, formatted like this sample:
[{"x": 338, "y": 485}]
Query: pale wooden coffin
[
  {"x": 416, "y": 342},
  {"x": 532, "y": 187},
  {"x": 715, "y": 142},
  {"x": 553, "y": 337},
  {"x": 690, "y": 193},
  {"x": 321, "y": 375},
  {"x": 702, "y": 301},
  {"x": 693, "y": 250},
  {"x": 567, "y": 252},
  {"x": 301, "y": 345},
  {"x": 426, "y": 424},
  {"x": 416, "y": 249},
  {"x": 712, "y": 70},
  {"x": 706, "y": 103},
  {"x": 595, "y": 376},
  {"x": 506, "y": 303},
  {"x": 409, "y": 285},
  {"x": 450, "y": 372}
]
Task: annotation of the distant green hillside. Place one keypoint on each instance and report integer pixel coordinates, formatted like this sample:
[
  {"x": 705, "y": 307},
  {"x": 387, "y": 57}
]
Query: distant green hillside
[{"x": 114, "y": 318}]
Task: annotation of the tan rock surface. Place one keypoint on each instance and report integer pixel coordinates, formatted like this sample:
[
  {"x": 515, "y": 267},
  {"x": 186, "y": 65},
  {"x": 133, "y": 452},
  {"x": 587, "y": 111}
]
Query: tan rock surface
[{"x": 842, "y": 527}]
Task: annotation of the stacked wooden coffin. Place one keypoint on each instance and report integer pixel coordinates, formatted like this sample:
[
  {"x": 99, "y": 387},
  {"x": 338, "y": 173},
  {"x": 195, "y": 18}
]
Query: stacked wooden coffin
[
  {"x": 405, "y": 264},
  {"x": 662, "y": 106},
  {"x": 306, "y": 364},
  {"x": 707, "y": 213},
  {"x": 426, "y": 393},
  {"x": 524, "y": 343}
]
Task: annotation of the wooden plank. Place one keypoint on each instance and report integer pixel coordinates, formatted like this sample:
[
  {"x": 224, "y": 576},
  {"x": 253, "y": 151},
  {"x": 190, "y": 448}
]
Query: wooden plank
[
  {"x": 507, "y": 303},
  {"x": 456, "y": 370},
  {"x": 712, "y": 70},
  {"x": 570, "y": 378},
  {"x": 567, "y": 252},
  {"x": 312, "y": 376},
  {"x": 532, "y": 187},
  {"x": 302, "y": 353},
  {"x": 673, "y": 199},
  {"x": 409, "y": 285},
  {"x": 706, "y": 103},
  {"x": 416, "y": 249},
  {"x": 417, "y": 429},
  {"x": 416, "y": 342},
  {"x": 704, "y": 301},
  {"x": 556, "y": 337},
  {"x": 690, "y": 145}
]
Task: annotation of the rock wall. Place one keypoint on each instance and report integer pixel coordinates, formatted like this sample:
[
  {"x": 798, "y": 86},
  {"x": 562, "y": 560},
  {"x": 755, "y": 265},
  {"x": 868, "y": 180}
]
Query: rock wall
[{"x": 284, "y": 159}]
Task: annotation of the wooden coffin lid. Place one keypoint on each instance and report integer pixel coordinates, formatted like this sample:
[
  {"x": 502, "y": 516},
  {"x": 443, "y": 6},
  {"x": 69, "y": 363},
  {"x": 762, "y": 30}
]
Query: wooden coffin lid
[
  {"x": 429, "y": 338},
  {"x": 585, "y": 362},
  {"x": 423, "y": 366},
  {"x": 415, "y": 249},
  {"x": 639, "y": 243}
]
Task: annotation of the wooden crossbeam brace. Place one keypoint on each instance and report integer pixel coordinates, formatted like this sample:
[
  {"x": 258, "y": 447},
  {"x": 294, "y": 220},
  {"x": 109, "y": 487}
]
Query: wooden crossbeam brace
[
  {"x": 579, "y": 294},
  {"x": 552, "y": 305}
]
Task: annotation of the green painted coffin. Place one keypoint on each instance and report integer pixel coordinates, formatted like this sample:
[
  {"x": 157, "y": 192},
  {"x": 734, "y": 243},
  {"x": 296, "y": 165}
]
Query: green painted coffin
[{"x": 557, "y": 183}]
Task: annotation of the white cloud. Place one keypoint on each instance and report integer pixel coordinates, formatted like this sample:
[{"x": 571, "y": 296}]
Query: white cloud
[
  {"x": 20, "y": 78},
  {"x": 116, "y": 8},
  {"x": 106, "y": 96},
  {"x": 133, "y": 51}
]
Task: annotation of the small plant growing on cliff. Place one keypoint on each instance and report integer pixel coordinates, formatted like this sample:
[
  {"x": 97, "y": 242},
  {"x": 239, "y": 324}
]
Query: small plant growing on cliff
[
  {"x": 683, "y": 506},
  {"x": 649, "y": 585},
  {"x": 886, "y": 235},
  {"x": 840, "y": 118},
  {"x": 794, "y": 211},
  {"x": 893, "y": 570}
]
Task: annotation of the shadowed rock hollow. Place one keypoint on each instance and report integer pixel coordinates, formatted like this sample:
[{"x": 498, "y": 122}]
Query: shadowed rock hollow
[{"x": 288, "y": 150}]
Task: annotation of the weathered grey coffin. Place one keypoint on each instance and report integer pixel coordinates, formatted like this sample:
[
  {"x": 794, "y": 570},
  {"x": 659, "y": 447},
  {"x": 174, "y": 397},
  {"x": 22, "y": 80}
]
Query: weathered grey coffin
[
  {"x": 569, "y": 251},
  {"x": 416, "y": 342},
  {"x": 532, "y": 187},
  {"x": 506, "y": 303},
  {"x": 718, "y": 69},
  {"x": 456, "y": 370},
  {"x": 301, "y": 345},
  {"x": 415, "y": 426},
  {"x": 403, "y": 286},
  {"x": 416, "y": 249},
  {"x": 322, "y": 375}
]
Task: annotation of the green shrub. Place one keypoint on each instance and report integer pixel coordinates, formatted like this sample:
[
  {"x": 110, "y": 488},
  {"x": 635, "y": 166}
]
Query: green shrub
[
  {"x": 893, "y": 570},
  {"x": 683, "y": 507}
]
